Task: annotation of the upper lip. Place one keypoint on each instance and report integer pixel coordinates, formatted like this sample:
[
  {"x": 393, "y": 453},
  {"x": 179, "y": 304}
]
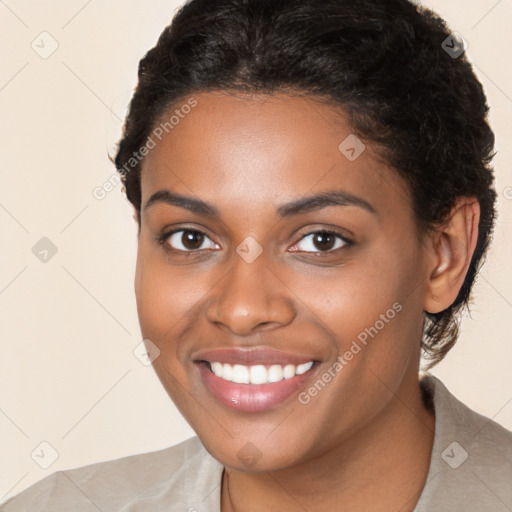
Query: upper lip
[{"x": 251, "y": 356}]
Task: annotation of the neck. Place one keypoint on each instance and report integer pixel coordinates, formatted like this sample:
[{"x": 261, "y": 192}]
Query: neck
[{"x": 382, "y": 467}]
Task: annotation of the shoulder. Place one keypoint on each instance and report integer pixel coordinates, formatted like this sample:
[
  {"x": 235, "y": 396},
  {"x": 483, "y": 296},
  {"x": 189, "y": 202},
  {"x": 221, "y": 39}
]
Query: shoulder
[
  {"x": 482, "y": 435},
  {"x": 471, "y": 463},
  {"x": 171, "y": 479}
]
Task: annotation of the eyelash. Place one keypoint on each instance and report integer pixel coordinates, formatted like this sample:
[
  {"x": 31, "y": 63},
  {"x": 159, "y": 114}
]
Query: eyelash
[{"x": 162, "y": 240}]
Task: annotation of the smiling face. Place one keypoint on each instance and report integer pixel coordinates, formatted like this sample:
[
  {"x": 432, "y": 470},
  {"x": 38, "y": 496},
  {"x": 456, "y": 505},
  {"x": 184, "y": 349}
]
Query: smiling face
[{"x": 249, "y": 271}]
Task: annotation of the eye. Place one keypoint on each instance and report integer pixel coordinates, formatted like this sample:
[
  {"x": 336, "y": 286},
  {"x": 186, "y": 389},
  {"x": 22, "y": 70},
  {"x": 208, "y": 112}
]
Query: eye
[
  {"x": 187, "y": 240},
  {"x": 322, "y": 241}
]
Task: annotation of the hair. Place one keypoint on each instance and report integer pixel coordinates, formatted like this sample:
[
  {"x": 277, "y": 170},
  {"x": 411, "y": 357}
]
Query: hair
[{"x": 382, "y": 61}]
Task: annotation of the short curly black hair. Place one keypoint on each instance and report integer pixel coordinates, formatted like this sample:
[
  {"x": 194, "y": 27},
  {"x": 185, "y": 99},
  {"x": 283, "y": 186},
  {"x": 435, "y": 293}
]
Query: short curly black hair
[{"x": 393, "y": 66}]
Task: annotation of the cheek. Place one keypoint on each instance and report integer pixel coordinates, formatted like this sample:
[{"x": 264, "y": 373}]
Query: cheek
[
  {"x": 348, "y": 299},
  {"x": 163, "y": 305},
  {"x": 369, "y": 311},
  {"x": 164, "y": 297}
]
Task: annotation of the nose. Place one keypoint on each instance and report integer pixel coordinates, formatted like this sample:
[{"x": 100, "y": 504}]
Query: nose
[{"x": 250, "y": 298}]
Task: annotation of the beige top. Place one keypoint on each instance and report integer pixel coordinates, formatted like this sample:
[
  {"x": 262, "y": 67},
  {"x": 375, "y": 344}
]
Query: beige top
[{"x": 470, "y": 471}]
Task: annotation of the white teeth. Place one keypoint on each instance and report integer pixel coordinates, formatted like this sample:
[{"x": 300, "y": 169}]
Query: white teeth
[
  {"x": 303, "y": 368},
  {"x": 240, "y": 374},
  {"x": 275, "y": 373},
  {"x": 289, "y": 371},
  {"x": 217, "y": 369},
  {"x": 227, "y": 372},
  {"x": 258, "y": 374}
]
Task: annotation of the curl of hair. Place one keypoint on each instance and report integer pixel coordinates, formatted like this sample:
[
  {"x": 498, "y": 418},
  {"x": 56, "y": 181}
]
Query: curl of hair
[{"x": 382, "y": 62}]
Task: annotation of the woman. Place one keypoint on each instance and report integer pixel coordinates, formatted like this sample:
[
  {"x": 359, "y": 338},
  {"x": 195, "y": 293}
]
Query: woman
[{"x": 314, "y": 196}]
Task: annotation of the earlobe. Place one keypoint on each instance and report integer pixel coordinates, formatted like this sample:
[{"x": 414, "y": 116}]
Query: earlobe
[{"x": 452, "y": 253}]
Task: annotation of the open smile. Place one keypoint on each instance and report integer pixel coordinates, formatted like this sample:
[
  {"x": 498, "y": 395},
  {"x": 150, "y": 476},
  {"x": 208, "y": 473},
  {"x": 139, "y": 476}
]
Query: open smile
[{"x": 253, "y": 387}]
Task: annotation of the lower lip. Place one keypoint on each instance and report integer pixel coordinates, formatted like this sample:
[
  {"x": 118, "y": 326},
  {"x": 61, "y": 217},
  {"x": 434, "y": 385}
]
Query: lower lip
[{"x": 251, "y": 397}]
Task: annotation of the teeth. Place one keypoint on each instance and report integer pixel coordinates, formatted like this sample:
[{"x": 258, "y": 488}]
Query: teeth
[
  {"x": 289, "y": 371},
  {"x": 240, "y": 374},
  {"x": 303, "y": 368},
  {"x": 275, "y": 373},
  {"x": 227, "y": 372},
  {"x": 217, "y": 369},
  {"x": 258, "y": 374}
]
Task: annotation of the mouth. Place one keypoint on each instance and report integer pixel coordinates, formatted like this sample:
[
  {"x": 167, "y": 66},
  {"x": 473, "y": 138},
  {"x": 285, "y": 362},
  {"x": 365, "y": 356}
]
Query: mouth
[
  {"x": 256, "y": 374},
  {"x": 253, "y": 381}
]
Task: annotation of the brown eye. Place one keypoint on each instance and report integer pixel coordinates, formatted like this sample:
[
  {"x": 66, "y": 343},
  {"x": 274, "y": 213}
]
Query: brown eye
[
  {"x": 192, "y": 239},
  {"x": 188, "y": 240},
  {"x": 322, "y": 241}
]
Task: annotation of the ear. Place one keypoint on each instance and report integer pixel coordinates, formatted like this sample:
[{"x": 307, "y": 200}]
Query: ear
[{"x": 452, "y": 249}]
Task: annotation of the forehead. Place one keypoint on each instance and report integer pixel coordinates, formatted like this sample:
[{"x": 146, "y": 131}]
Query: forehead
[{"x": 261, "y": 149}]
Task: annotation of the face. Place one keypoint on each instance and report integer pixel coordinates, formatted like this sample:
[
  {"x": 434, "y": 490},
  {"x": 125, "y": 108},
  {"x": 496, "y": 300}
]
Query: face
[{"x": 280, "y": 277}]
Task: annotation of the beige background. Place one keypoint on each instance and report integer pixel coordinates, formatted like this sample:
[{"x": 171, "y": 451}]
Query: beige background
[{"x": 68, "y": 326}]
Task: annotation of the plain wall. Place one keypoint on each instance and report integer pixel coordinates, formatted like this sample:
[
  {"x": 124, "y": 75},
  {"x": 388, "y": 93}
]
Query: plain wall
[{"x": 68, "y": 326}]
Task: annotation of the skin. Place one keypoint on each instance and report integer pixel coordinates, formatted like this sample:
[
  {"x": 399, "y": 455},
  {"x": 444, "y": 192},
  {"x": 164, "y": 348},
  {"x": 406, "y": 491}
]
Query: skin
[{"x": 365, "y": 440}]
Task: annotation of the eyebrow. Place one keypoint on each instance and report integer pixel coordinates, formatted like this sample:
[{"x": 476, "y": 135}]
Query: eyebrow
[{"x": 302, "y": 205}]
